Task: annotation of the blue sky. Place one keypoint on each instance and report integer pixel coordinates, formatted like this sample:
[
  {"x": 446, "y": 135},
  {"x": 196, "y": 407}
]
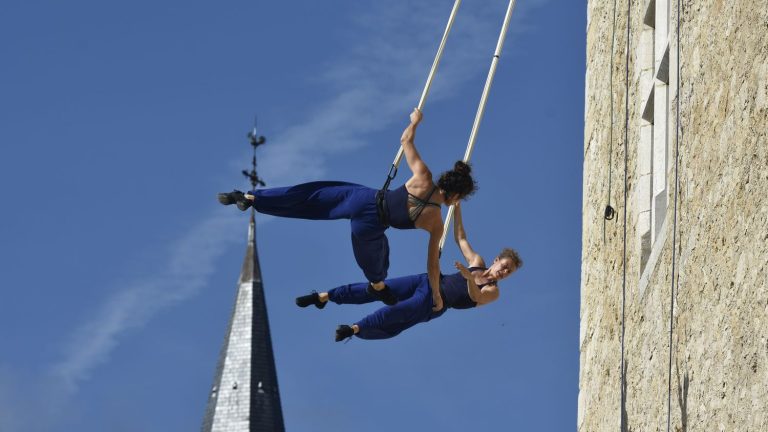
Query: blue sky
[{"x": 120, "y": 122}]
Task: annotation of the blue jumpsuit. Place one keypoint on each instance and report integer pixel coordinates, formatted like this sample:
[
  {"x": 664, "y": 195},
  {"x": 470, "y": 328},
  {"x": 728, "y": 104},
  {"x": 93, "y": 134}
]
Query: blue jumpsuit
[
  {"x": 414, "y": 303},
  {"x": 327, "y": 200}
]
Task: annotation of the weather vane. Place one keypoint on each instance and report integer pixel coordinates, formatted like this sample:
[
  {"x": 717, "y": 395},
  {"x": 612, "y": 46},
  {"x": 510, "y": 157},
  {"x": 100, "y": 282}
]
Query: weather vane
[{"x": 256, "y": 140}]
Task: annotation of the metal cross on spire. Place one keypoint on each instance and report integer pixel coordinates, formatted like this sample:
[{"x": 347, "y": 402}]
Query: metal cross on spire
[{"x": 256, "y": 140}]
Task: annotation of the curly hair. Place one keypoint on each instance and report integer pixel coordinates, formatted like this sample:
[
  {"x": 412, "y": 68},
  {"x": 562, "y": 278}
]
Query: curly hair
[
  {"x": 512, "y": 255},
  {"x": 458, "y": 181}
]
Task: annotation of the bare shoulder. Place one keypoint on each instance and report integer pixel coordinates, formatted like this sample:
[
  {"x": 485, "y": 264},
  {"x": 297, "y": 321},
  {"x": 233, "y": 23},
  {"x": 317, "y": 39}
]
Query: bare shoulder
[
  {"x": 420, "y": 184},
  {"x": 476, "y": 261},
  {"x": 488, "y": 294}
]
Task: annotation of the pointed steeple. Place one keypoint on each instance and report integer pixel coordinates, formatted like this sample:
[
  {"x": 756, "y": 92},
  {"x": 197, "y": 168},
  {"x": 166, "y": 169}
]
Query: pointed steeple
[{"x": 245, "y": 396}]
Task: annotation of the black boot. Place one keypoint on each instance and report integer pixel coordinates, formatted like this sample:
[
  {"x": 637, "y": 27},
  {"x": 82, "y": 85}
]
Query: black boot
[
  {"x": 310, "y": 299},
  {"x": 344, "y": 332},
  {"x": 384, "y": 294},
  {"x": 235, "y": 197}
]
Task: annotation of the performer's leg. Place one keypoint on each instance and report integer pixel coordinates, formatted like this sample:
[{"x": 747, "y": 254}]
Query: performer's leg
[
  {"x": 389, "y": 321},
  {"x": 356, "y": 293},
  {"x": 320, "y": 200},
  {"x": 359, "y": 293},
  {"x": 371, "y": 251}
]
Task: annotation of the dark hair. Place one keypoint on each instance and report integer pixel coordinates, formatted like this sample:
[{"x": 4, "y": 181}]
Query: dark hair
[
  {"x": 457, "y": 181},
  {"x": 512, "y": 255}
]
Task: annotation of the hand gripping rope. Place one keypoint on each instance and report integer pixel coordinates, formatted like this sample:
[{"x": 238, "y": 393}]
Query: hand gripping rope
[
  {"x": 481, "y": 106},
  {"x": 393, "y": 169}
]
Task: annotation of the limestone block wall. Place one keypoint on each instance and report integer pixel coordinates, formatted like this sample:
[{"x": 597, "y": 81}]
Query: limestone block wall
[{"x": 719, "y": 232}]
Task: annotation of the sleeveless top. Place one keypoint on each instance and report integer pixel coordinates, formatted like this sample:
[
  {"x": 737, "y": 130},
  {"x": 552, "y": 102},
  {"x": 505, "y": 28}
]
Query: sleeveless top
[
  {"x": 396, "y": 203},
  {"x": 454, "y": 290}
]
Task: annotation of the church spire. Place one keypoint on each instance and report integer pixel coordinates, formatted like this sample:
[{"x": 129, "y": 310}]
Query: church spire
[{"x": 245, "y": 396}]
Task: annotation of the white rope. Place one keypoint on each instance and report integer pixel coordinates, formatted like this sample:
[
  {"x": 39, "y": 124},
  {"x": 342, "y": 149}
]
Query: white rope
[
  {"x": 481, "y": 107},
  {"x": 430, "y": 77}
]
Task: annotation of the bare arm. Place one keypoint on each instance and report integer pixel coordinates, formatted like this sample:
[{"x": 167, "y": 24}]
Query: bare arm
[
  {"x": 433, "y": 265},
  {"x": 472, "y": 257},
  {"x": 415, "y": 163}
]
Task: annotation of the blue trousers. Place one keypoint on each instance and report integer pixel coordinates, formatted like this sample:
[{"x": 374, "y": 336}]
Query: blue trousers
[
  {"x": 414, "y": 306},
  {"x": 327, "y": 200}
]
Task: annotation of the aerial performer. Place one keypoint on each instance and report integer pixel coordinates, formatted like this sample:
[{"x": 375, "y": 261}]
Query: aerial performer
[
  {"x": 474, "y": 285},
  {"x": 416, "y": 204}
]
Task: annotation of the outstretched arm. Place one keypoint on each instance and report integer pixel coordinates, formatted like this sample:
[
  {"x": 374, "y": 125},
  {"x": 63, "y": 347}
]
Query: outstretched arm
[
  {"x": 415, "y": 163},
  {"x": 472, "y": 257}
]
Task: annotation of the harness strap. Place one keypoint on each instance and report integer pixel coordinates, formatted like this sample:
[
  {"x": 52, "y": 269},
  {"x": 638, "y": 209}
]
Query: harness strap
[
  {"x": 381, "y": 198},
  {"x": 381, "y": 206}
]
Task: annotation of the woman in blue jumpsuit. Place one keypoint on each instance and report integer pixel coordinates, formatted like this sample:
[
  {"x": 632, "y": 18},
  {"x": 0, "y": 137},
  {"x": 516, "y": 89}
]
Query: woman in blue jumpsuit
[
  {"x": 470, "y": 287},
  {"x": 416, "y": 204}
]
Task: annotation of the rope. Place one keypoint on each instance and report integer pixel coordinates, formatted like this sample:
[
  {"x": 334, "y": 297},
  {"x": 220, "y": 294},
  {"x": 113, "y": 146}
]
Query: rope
[
  {"x": 610, "y": 212},
  {"x": 624, "y": 253},
  {"x": 481, "y": 106},
  {"x": 393, "y": 169},
  {"x": 674, "y": 225}
]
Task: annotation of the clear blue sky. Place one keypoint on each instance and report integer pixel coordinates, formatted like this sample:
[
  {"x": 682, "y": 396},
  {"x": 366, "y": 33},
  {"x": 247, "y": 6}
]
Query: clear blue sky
[{"x": 119, "y": 123}]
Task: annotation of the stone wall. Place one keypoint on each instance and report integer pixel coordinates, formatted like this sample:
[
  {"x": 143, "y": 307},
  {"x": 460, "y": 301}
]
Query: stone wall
[{"x": 718, "y": 232}]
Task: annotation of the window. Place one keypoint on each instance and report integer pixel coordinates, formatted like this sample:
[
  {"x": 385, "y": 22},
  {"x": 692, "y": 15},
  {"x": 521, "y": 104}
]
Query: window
[{"x": 652, "y": 152}]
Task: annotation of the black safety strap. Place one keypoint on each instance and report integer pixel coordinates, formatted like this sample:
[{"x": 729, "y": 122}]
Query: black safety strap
[{"x": 381, "y": 197}]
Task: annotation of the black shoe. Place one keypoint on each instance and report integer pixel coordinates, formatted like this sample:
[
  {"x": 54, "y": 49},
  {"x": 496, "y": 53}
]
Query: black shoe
[
  {"x": 244, "y": 204},
  {"x": 384, "y": 294},
  {"x": 344, "y": 332},
  {"x": 229, "y": 198},
  {"x": 235, "y": 197},
  {"x": 310, "y": 299}
]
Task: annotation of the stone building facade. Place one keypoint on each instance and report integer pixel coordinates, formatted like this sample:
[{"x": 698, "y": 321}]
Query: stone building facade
[{"x": 714, "y": 224}]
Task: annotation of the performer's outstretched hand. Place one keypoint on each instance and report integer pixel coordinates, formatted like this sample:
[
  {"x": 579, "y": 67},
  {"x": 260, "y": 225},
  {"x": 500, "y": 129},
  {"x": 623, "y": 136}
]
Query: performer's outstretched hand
[{"x": 463, "y": 270}]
